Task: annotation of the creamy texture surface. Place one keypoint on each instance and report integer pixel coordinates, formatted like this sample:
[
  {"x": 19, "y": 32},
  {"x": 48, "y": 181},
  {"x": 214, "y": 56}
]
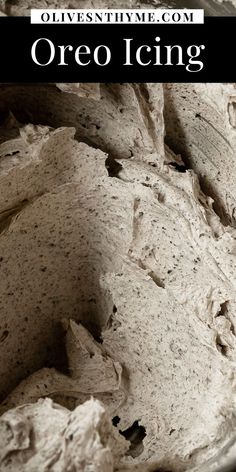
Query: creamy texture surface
[
  {"x": 78, "y": 440},
  {"x": 201, "y": 124},
  {"x": 118, "y": 274},
  {"x": 119, "y": 279}
]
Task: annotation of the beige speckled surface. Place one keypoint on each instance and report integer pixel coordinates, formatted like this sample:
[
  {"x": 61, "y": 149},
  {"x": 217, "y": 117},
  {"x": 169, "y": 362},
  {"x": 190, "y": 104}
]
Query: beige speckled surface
[
  {"x": 78, "y": 440},
  {"x": 133, "y": 249},
  {"x": 200, "y": 124},
  {"x": 118, "y": 269}
]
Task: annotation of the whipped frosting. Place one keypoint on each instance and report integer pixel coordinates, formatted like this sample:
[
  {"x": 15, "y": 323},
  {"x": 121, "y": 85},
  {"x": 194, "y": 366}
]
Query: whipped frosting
[
  {"x": 118, "y": 263},
  {"x": 45, "y": 436},
  {"x": 119, "y": 258}
]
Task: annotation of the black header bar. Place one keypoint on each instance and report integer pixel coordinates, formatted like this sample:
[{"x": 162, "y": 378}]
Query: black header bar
[{"x": 117, "y": 53}]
